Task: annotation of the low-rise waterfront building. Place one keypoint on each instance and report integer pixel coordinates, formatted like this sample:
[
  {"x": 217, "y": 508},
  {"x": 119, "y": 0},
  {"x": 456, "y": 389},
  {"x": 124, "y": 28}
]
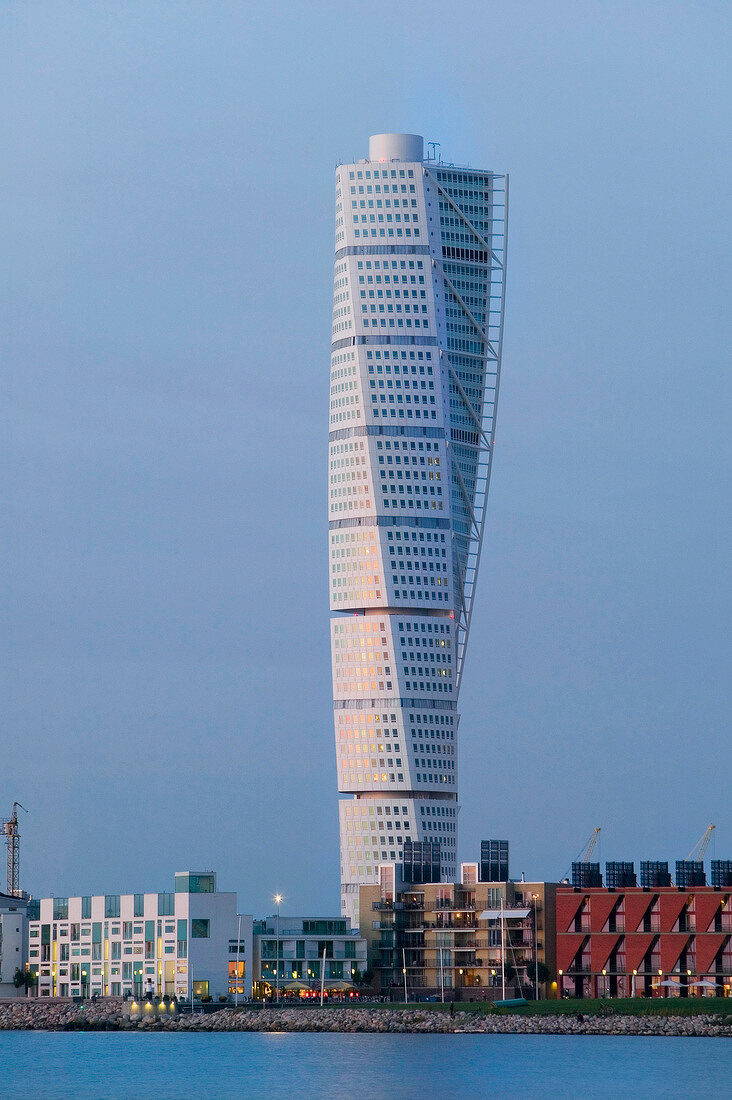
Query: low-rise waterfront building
[
  {"x": 188, "y": 940},
  {"x": 476, "y": 940},
  {"x": 659, "y": 940},
  {"x": 13, "y": 942},
  {"x": 290, "y": 953}
]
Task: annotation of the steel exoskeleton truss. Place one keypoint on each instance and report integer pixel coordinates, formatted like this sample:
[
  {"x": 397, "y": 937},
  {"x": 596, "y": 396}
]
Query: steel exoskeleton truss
[{"x": 485, "y": 418}]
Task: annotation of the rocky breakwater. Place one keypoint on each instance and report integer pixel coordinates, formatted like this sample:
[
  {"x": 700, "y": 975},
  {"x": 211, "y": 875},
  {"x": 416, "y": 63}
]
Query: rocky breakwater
[
  {"x": 404, "y": 1021},
  {"x": 57, "y": 1015},
  {"x": 113, "y": 1016}
]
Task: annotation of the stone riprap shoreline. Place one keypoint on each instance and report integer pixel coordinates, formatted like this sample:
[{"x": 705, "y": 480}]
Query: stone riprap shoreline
[{"x": 105, "y": 1016}]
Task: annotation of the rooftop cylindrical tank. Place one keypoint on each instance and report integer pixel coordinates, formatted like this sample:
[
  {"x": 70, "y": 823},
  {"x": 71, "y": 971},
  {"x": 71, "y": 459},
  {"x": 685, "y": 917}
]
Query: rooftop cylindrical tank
[{"x": 396, "y": 147}]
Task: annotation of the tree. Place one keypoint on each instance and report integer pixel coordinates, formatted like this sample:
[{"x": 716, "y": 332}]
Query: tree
[
  {"x": 544, "y": 973},
  {"x": 24, "y": 978}
]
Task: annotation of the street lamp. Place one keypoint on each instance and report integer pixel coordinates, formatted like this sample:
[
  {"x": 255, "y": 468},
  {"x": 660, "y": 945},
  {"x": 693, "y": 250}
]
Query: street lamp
[
  {"x": 278, "y": 899},
  {"x": 635, "y": 972},
  {"x": 604, "y": 982}
]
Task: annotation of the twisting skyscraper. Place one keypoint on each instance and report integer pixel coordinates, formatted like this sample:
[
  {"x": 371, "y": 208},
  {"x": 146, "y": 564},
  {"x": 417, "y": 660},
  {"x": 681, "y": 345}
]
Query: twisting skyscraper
[{"x": 418, "y": 300}]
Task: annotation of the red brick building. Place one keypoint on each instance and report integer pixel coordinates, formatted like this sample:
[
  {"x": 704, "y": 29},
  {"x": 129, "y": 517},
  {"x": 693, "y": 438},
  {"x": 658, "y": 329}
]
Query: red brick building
[{"x": 635, "y": 941}]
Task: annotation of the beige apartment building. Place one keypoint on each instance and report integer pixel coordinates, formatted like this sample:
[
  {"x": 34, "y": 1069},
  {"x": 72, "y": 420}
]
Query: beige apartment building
[{"x": 469, "y": 939}]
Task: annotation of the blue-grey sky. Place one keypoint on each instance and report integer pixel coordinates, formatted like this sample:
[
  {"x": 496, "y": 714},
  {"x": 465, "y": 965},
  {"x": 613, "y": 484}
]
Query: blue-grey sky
[{"x": 167, "y": 227}]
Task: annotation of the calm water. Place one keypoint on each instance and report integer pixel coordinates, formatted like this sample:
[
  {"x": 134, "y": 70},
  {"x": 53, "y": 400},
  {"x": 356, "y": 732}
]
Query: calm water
[{"x": 108, "y": 1066}]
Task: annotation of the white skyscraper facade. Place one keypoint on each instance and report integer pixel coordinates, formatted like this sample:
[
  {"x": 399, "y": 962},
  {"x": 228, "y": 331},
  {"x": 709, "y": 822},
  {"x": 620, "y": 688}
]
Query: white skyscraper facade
[{"x": 418, "y": 309}]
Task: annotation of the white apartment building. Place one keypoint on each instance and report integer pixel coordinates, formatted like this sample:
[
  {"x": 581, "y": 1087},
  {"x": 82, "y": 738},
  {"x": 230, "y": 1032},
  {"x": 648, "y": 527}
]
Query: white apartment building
[
  {"x": 188, "y": 940},
  {"x": 416, "y": 349},
  {"x": 292, "y": 951}
]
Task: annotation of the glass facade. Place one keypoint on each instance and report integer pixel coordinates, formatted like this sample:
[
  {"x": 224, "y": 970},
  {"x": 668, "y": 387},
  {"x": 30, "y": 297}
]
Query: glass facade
[
  {"x": 494, "y": 861},
  {"x": 187, "y": 883}
]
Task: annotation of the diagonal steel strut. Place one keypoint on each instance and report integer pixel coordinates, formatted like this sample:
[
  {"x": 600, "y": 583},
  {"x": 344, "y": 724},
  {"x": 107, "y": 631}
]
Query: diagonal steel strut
[{"x": 464, "y": 217}]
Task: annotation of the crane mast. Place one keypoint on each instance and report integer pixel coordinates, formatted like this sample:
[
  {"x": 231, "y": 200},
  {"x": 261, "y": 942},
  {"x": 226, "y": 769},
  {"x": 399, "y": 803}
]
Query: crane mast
[
  {"x": 12, "y": 844},
  {"x": 697, "y": 852},
  {"x": 584, "y": 856}
]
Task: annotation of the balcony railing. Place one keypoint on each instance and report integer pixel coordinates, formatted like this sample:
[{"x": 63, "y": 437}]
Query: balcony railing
[
  {"x": 453, "y": 906},
  {"x": 448, "y": 925},
  {"x": 398, "y": 905}
]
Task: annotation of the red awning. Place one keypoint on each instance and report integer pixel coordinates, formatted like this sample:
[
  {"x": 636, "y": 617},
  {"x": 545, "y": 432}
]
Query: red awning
[
  {"x": 601, "y": 906},
  {"x": 568, "y": 904},
  {"x": 706, "y": 907},
  {"x": 671, "y": 907},
  {"x": 672, "y": 944},
  {"x": 636, "y": 946},
  {"x": 636, "y": 907},
  {"x": 706, "y": 950},
  {"x": 568, "y": 944},
  {"x": 601, "y": 946}
]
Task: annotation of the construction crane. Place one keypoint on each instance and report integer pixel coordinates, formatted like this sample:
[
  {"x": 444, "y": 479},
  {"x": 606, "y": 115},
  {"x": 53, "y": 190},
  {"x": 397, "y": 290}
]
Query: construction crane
[
  {"x": 12, "y": 841},
  {"x": 584, "y": 856},
  {"x": 697, "y": 852}
]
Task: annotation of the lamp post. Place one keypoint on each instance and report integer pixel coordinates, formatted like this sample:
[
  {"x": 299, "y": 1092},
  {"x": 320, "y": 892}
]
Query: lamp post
[
  {"x": 536, "y": 945},
  {"x": 632, "y": 988},
  {"x": 442, "y": 978},
  {"x": 278, "y": 899},
  {"x": 561, "y": 984},
  {"x": 404, "y": 972},
  {"x": 604, "y": 982},
  {"x": 503, "y": 954}
]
